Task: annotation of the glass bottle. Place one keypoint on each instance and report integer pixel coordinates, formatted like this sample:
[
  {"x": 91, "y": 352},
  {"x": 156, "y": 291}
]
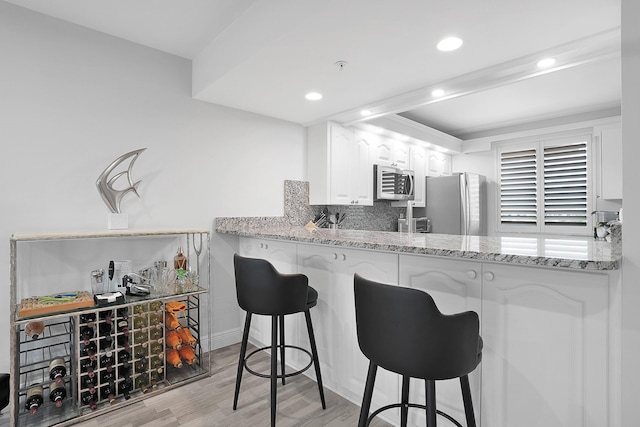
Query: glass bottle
[
  {"x": 173, "y": 358},
  {"x": 34, "y": 329},
  {"x": 188, "y": 355},
  {"x": 140, "y": 322},
  {"x": 57, "y": 369},
  {"x": 180, "y": 261},
  {"x": 123, "y": 313},
  {"x": 86, "y": 333},
  {"x": 124, "y": 388},
  {"x": 123, "y": 327},
  {"x": 155, "y": 306},
  {"x": 142, "y": 383},
  {"x": 140, "y": 337},
  {"x": 88, "y": 382},
  {"x": 157, "y": 363},
  {"x": 123, "y": 357},
  {"x": 89, "y": 399},
  {"x": 107, "y": 360},
  {"x": 88, "y": 319},
  {"x": 186, "y": 337},
  {"x": 156, "y": 378},
  {"x": 124, "y": 371},
  {"x": 88, "y": 365},
  {"x": 141, "y": 351},
  {"x": 34, "y": 399},
  {"x": 139, "y": 309},
  {"x": 156, "y": 333},
  {"x": 108, "y": 392},
  {"x": 89, "y": 350},
  {"x": 106, "y": 316},
  {"x": 57, "y": 393},
  {"x": 123, "y": 341},
  {"x": 157, "y": 349},
  {"x": 173, "y": 340},
  {"x": 107, "y": 377}
]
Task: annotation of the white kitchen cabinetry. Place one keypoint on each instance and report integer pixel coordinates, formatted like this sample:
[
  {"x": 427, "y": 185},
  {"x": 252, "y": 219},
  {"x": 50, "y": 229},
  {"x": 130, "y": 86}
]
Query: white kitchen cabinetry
[
  {"x": 438, "y": 163},
  {"x": 391, "y": 152},
  {"x": 456, "y": 286},
  {"x": 344, "y": 368},
  {"x": 545, "y": 347},
  {"x": 282, "y": 255},
  {"x": 609, "y": 147},
  {"x": 338, "y": 166}
]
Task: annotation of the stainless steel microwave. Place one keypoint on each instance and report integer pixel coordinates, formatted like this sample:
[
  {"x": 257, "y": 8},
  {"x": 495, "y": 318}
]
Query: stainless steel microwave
[{"x": 391, "y": 183}]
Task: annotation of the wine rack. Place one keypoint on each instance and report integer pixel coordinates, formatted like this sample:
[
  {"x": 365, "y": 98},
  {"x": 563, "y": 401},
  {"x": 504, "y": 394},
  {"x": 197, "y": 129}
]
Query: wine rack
[{"x": 113, "y": 355}]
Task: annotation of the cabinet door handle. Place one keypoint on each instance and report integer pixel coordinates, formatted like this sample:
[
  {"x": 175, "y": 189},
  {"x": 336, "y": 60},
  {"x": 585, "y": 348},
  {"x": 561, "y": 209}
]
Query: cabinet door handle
[
  {"x": 335, "y": 256},
  {"x": 344, "y": 257},
  {"x": 261, "y": 245},
  {"x": 471, "y": 274},
  {"x": 266, "y": 246},
  {"x": 489, "y": 276}
]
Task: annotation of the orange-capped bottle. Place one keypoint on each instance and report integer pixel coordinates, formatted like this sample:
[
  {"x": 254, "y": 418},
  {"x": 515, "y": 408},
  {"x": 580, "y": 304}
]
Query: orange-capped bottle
[
  {"x": 188, "y": 355},
  {"x": 173, "y": 358},
  {"x": 171, "y": 321},
  {"x": 186, "y": 337},
  {"x": 173, "y": 340}
]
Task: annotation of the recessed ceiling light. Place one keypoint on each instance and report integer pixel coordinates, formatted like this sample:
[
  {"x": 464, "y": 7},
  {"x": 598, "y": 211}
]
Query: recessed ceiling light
[
  {"x": 437, "y": 93},
  {"x": 546, "y": 63},
  {"x": 450, "y": 43},
  {"x": 313, "y": 96},
  {"x": 365, "y": 112}
]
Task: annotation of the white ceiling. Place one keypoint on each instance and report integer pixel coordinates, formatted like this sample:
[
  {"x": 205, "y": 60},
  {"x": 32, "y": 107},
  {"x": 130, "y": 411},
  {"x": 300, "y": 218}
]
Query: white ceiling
[{"x": 264, "y": 55}]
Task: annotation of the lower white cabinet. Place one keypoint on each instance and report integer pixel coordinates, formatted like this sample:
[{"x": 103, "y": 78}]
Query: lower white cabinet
[
  {"x": 545, "y": 347},
  {"x": 455, "y": 286},
  {"x": 344, "y": 367}
]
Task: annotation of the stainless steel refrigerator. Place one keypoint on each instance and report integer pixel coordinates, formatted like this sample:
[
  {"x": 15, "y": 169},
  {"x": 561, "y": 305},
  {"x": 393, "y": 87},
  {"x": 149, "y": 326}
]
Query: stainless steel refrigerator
[{"x": 456, "y": 204}]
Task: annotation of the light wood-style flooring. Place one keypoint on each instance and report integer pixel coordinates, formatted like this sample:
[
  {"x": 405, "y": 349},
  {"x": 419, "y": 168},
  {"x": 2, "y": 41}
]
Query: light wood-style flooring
[{"x": 208, "y": 402}]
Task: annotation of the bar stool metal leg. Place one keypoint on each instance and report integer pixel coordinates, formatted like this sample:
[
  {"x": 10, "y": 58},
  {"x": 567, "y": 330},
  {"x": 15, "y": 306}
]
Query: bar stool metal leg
[
  {"x": 466, "y": 399},
  {"x": 282, "y": 347},
  {"x": 431, "y": 402},
  {"x": 368, "y": 394},
  {"x": 404, "y": 409},
  {"x": 243, "y": 352},
  {"x": 274, "y": 367},
  {"x": 314, "y": 353}
]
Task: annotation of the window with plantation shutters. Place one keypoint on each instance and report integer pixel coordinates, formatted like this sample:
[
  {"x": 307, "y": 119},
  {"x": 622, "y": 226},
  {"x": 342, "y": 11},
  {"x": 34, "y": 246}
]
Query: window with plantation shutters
[{"x": 544, "y": 186}]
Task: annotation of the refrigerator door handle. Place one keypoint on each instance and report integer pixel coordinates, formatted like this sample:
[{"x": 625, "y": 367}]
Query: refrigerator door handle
[{"x": 466, "y": 202}]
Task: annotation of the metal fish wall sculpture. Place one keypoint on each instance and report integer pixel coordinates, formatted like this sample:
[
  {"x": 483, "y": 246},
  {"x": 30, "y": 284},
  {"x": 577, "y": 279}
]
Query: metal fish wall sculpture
[{"x": 110, "y": 195}]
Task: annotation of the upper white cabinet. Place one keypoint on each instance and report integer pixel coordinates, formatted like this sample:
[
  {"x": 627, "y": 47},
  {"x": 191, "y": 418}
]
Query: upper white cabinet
[
  {"x": 390, "y": 152},
  {"x": 438, "y": 164},
  {"x": 608, "y": 143},
  {"x": 338, "y": 166}
]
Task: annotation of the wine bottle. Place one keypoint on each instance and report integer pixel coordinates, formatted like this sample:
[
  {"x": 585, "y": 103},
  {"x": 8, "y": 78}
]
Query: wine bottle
[
  {"x": 140, "y": 337},
  {"x": 107, "y": 376},
  {"x": 123, "y": 313},
  {"x": 141, "y": 351},
  {"x": 155, "y": 333},
  {"x": 89, "y": 382},
  {"x": 180, "y": 261},
  {"x": 157, "y": 349},
  {"x": 108, "y": 392},
  {"x": 88, "y": 319},
  {"x": 124, "y": 388},
  {"x": 34, "y": 399},
  {"x": 157, "y": 363},
  {"x": 173, "y": 358},
  {"x": 142, "y": 383},
  {"x": 106, "y": 316},
  {"x": 140, "y": 322},
  {"x": 57, "y": 393},
  {"x": 171, "y": 321},
  {"x": 124, "y": 371},
  {"x": 86, "y": 333},
  {"x": 139, "y": 309},
  {"x": 173, "y": 340},
  {"x": 188, "y": 355},
  {"x": 123, "y": 327},
  {"x": 123, "y": 357},
  {"x": 88, "y": 365},
  {"x": 142, "y": 365},
  {"x": 89, "y": 350},
  {"x": 34, "y": 330},
  {"x": 155, "y": 306},
  {"x": 123, "y": 341},
  {"x": 57, "y": 369},
  {"x": 186, "y": 337},
  {"x": 107, "y": 360},
  {"x": 89, "y": 399},
  {"x": 156, "y": 378}
]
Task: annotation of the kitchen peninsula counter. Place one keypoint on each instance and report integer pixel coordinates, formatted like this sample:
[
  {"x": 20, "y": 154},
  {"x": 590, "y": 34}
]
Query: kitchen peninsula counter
[{"x": 564, "y": 252}]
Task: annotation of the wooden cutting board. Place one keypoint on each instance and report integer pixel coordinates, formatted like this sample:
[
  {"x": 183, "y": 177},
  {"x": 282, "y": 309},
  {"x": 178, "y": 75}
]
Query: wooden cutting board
[{"x": 37, "y": 306}]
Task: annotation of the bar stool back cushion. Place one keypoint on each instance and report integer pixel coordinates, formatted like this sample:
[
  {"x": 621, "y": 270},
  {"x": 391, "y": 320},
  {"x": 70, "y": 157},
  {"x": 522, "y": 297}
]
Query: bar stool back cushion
[
  {"x": 402, "y": 330},
  {"x": 261, "y": 289}
]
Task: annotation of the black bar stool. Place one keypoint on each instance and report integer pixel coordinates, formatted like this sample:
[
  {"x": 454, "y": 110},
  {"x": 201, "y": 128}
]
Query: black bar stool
[
  {"x": 402, "y": 330},
  {"x": 261, "y": 289}
]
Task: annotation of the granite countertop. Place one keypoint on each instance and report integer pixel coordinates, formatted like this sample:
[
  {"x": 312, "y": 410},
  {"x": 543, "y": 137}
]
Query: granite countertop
[{"x": 566, "y": 252}]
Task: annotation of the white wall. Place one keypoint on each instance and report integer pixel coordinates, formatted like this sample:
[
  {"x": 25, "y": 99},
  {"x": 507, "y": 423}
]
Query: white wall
[{"x": 72, "y": 100}]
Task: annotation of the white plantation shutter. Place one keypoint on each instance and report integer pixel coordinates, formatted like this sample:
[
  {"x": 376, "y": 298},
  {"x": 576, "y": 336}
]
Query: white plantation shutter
[
  {"x": 544, "y": 186},
  {"x": 565, "y": 185},
  {"x": 518, "y": 187}
]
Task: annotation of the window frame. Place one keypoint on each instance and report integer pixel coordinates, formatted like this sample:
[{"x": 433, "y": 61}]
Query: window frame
[{"x": 538, "y": 144}]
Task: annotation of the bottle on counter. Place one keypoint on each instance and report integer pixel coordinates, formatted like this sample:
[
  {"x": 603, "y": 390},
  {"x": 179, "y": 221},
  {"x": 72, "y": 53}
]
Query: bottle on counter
[
  {"x": 188, "y": 355},
  {"x": 90, "y": 399},
  {"x": 173, "y": 340},
  {"x": 57, "y": 370},
  {"x": 173, "y": 358},
  {"x": 34, "y": 330},
  {"x": 180, "y": 261},
  {"x": 57, "y": 393},
  {"x": 34, "y": 399}
]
